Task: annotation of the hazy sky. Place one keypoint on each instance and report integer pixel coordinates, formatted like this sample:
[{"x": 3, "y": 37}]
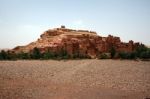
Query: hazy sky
[{"x": 22, "y": 21}]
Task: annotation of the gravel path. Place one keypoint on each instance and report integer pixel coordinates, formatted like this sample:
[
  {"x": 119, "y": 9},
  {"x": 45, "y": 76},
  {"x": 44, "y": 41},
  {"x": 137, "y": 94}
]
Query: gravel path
[{"x": 75, "y": 79}]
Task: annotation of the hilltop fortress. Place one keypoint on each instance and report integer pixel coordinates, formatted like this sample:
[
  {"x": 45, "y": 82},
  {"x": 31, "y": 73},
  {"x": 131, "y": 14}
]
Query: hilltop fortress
[{"x": 77, "y": 41}]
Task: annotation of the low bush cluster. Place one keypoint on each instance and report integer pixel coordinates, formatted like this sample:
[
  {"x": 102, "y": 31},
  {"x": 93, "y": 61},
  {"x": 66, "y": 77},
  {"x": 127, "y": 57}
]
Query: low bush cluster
[
  {"x": 141, "y": 52},
  {"x": 36, "y": 54},
  {"x": 127, "y": 55},
  {"x": 105, "y": 56}
]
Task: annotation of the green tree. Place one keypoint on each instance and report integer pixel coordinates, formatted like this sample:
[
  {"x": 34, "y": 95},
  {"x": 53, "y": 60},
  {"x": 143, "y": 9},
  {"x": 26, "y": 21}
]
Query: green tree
[
  {"x": 3, "y": 55},
  {"x": 63, "y": 54},
  {"x": 23, "y": 55},
  {"x": 143, "y": 52},
  {"x": 113, "y": 52},
  {"x": 36, "y": 54},
  {"x": 76, "y": 55},
  {"x": 7, "y": 55},
  {"x": 127, "y": 55},
  {"x": 104, "y": 56},
  {"x": 48, "y": 55},
  {"x": 11, "y": 55},
  {"x": 140, "y": 49}
]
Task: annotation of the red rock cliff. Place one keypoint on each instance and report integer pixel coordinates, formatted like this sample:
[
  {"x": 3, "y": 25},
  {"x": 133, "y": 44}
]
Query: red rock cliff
[{"x": 77, "y": 41}]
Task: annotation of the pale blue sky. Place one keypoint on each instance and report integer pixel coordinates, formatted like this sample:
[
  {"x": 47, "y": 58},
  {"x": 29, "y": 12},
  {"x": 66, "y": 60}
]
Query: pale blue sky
[{"x": 22, "y": 21}]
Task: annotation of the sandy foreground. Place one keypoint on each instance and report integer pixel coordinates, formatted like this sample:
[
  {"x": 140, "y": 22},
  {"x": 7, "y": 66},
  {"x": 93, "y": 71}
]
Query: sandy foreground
[{"x": 75, "y": 79}]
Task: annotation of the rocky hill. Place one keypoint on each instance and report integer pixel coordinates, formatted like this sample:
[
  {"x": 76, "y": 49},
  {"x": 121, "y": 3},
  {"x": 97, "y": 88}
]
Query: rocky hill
[{"x": 81, "y": 42}]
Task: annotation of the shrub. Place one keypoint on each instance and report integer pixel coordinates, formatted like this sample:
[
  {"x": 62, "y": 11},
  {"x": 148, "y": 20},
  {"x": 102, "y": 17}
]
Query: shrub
[
  {"x": 122, "y": 55},
  {"x": 145, "y": 55},
  {"x": 127, "y": 55},
  {"x": 79, "y": 55},
  {"x": 11, "y": 56},
  {"x": 132, "y": 55},
  {"x": 66, "y": 57},
  {"x": 36, "y": 54},
  {"x": 64, "y": 54},
  {"x": 105, "y": 56},
  {"x": 82, "y": 56},
  {"x": 3, "y": 55},
  {"x": 7, "y": 55},
  {"x": 48, "y": 55},
  {"x": 113, "y": 52},
  {"x": 143, "y": 52},
  {"x": 23, "y": 55},
  {"x": 75, "y": 55},
  {"x": 140, "y": 49}
]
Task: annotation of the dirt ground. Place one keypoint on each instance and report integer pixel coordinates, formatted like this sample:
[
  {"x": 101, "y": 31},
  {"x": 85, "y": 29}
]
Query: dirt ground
[{"x": 75, "y": 79}]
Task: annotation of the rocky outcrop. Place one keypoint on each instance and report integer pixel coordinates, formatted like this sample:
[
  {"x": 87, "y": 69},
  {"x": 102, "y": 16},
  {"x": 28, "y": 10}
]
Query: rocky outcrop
[{"x": 81, "y": 42}]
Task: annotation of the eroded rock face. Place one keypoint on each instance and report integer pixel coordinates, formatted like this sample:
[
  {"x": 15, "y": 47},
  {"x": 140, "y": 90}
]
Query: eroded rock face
[{"x": 77, "y": 42}]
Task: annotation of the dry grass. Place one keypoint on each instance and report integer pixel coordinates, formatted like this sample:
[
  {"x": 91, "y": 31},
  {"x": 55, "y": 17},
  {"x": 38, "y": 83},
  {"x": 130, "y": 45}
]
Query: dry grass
[{"x": 75, "y": 79}]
